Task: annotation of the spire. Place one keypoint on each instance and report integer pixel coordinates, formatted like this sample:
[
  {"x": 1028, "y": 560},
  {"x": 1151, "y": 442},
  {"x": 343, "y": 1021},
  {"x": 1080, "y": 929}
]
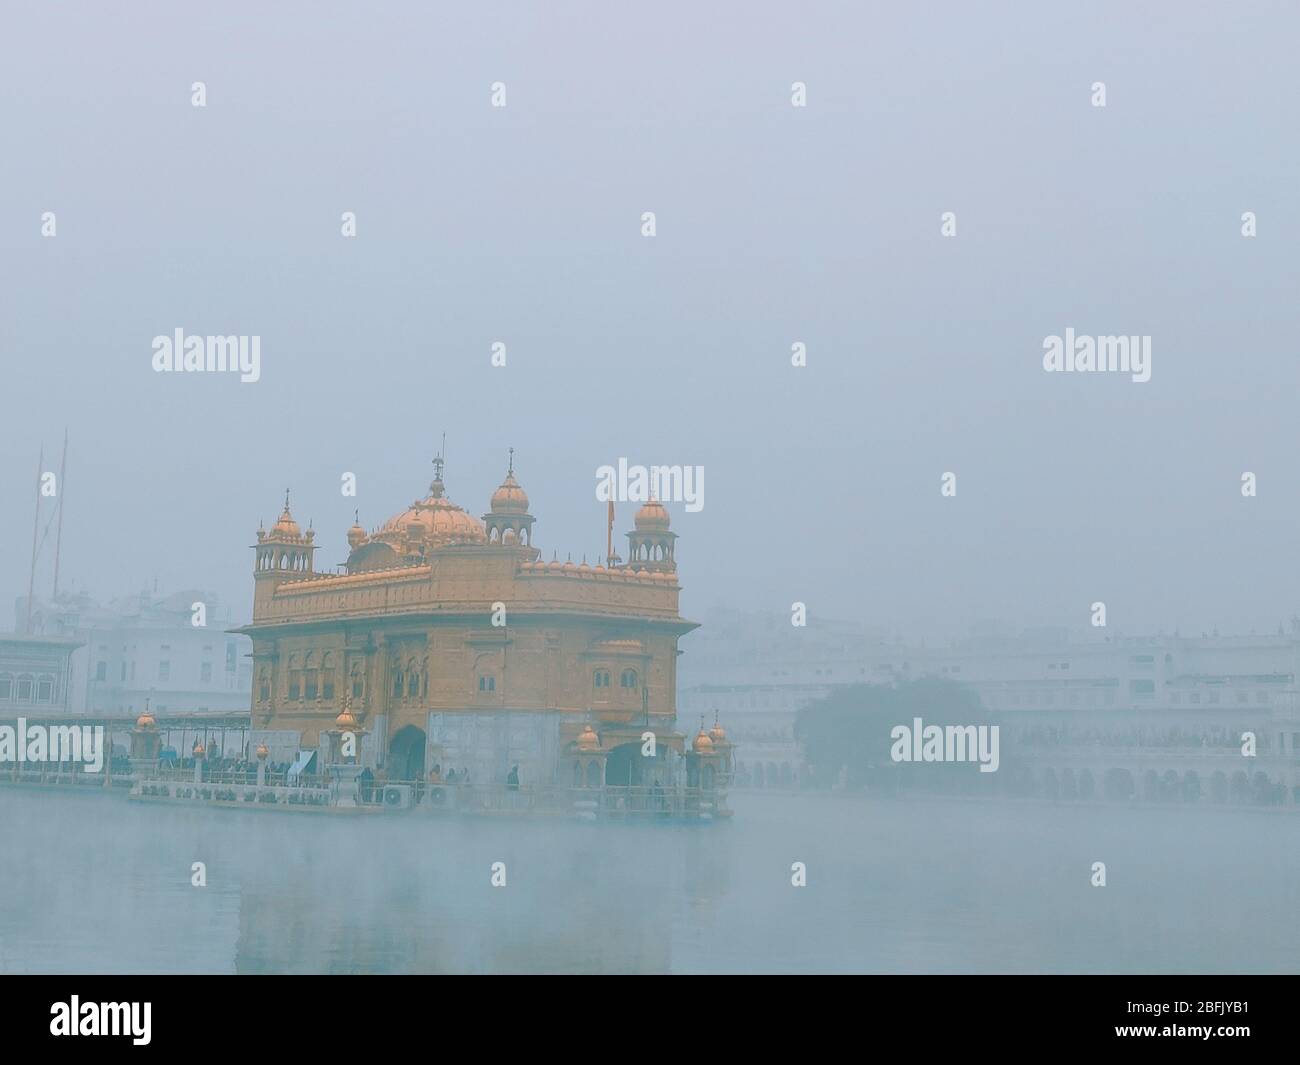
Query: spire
[
  {"x": 439, "y": 461},
  {"x": 512, "y": 462},
  {"x": 436, "y": 487}
]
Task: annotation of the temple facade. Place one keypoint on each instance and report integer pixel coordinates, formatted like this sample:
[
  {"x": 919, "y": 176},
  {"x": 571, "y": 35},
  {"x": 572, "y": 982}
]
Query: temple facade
[{"x": 456, "y": 647}]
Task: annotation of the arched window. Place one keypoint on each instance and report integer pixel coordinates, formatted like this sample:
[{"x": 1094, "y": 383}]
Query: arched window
[
  {"x": 45, "y": 689},
  {"x": 295, "y": 678},
  {"x": 327, "y": 676},
  {"x": 24, "y": 688},
  {"x": 397, "y": 679},
  {"x": 601, "y": 678},
  {"x": 487, "y": 684},
  {"x": 628, "y": 679},
  {"x": 311, "y": 679},
  {"x": 358, "y": 681},
  {"x": 264, "y": 685},
  {"x": 6, "y": 686}
]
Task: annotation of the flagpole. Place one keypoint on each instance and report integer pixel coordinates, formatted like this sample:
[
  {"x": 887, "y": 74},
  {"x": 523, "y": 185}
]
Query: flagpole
[
  {"x": 609, "y": 536},
  {"x": 36, "y": 526},
  {"x": 58, "y": 539}
]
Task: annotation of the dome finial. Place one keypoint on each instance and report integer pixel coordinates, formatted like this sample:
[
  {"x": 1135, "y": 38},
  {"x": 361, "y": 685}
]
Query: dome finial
[
  {"x": 512, "y": 461},
  {"x": 439, "y": 460}
]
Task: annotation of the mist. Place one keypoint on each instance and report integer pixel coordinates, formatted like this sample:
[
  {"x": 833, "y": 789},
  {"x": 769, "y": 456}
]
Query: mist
[
  {"x": 920, "y": 498},
  {"x": 776, "y": 225}
]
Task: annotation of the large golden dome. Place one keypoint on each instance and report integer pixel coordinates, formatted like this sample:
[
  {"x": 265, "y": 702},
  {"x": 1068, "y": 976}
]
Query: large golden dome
[{"x": 439, "y": 520}]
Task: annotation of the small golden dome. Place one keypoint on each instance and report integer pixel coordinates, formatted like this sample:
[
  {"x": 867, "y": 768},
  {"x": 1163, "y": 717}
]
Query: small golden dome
[
  {"x": 356, "y": 534},
  {"x": 702, "y": 744},
  {"x": 588, "y": 740},
  {"x": 510, "y": 498},
  {"x": 263, "y": 751},
  {"x": 145, "y": 721},
  {"x": 717, "y": 734},
  {"x": 285, "y": 525},
  {"x": 198, "y": 749},
  {"x": 652, "y": 517},
  {"x": 345, "y": 721}
]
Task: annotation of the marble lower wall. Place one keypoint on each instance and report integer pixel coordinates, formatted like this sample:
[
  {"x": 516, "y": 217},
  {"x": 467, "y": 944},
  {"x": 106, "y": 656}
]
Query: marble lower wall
[{"x": 488, "y": 744}]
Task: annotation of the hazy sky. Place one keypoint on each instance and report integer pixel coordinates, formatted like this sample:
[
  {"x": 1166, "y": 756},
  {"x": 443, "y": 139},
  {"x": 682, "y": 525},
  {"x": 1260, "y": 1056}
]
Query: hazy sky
[{"x": 776, "y": 224}]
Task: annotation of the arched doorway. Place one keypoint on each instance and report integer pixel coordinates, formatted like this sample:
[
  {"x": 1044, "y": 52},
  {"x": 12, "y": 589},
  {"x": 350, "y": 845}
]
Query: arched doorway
[
  {"x": 1219, "y": 786},
  {"x": 1119, "y": 784},
  {"x": 1051, "y": 784},
  {"x": 406, "y": 754},
  {"x": 1151, "y": 786},
  {"x": 1069, "y": 788},
  {"x": 627, "y": 767},
  {"x": 1087, "y": 787}
]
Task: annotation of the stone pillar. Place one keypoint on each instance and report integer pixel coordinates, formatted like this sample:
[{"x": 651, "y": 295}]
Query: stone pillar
[
  {"x": 145, "y": 744},
  {"x": 343, "y": 769}
]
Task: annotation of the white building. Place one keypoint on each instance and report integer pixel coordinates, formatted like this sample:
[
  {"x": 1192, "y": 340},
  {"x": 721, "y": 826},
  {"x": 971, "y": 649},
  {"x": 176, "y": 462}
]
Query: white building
[
  {"x": 1097, "y": 687},
  {"x": 147, "y": 647}
]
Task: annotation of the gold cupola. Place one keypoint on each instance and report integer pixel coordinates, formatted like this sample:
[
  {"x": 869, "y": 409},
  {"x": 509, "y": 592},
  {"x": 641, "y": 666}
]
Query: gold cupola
[
  {"x": 284, "y": 549},
  {"x": 508, "y": 522},
  {"x": 356, "y": 534},
  {"x": 652, "y": 545},
  {"x": 588, "y": 741}
]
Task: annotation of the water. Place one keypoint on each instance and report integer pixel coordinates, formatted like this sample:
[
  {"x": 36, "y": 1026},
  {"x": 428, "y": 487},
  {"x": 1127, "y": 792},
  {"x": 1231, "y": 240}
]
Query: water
[{"x": 92, "y": 883}]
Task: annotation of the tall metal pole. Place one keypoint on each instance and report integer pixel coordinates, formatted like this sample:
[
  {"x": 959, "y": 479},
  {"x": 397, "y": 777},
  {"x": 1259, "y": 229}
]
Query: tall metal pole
[
  {"x": 36, "y": 526},
  {"x": 58, "y": 539}
]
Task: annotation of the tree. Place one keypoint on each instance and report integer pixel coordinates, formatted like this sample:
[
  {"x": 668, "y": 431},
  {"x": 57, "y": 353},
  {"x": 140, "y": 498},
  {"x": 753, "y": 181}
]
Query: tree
[{"x": 848, "y": 730}]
